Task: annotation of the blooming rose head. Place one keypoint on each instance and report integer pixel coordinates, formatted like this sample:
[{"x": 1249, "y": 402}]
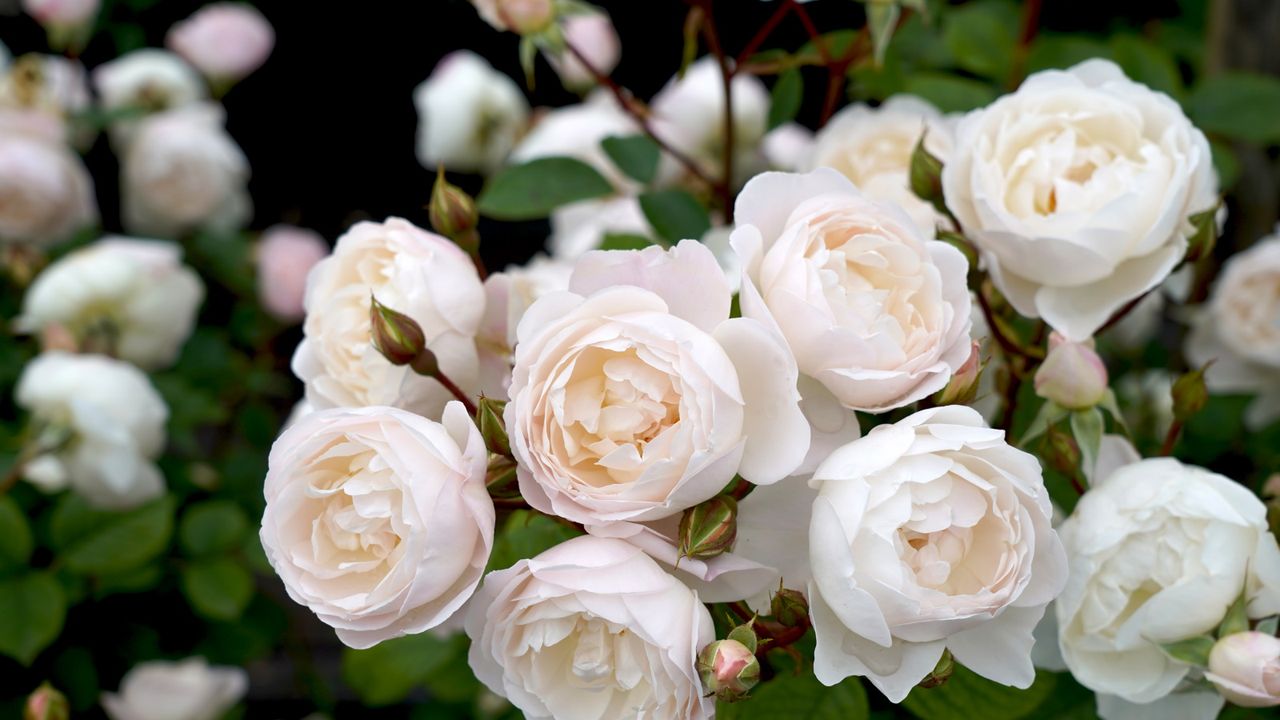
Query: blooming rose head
[
  {"x": 186, "y": 690},
  {"x": 411, "y": 271},
  {"x": 634, "y": 396},
  {"x": 576, "y": 131},
  {"x": 226, "y": 41},
  {"x": 150, "y": 80},
  {"x": 1240, "y": 330},
  {"x": 1245, "y": 667},
  {"x": 45, "y": 191},
  {"x": 1077, "y": 189},
  {"x": 1072, "y": 375},
  {"x": 590, "y": 628},
  {"x": 872, "y": 309},
  {"x": 873, "y": 146},
  {"x": 378, "y": 519},
  {"x": 593, "y": 35},
  {"x": 109, "y": 423},
  {"x": 469, "y": 115},
  {"x": 49, "y": 90},
  {"x": 182, "y": 171},
  {"x": 133, "y": 298},
  {"x": 1158, "y": 551},
  {"x": 286, "y": 255},
  {"x": 930, "y": 534}
]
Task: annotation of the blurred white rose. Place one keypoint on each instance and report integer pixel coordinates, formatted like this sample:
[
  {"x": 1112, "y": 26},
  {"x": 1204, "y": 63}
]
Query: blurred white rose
[
  {"x": 590, "y": 628},
  {"x": 46, "y": 84},
  {"x": 185, "y": 690},
  {"x": 930, "y": 534},
  {"x": 285, "y": 256},
  {"x": 181, "y": 172},
  {"x": 1077, "y": 189},
  {"x": 1158, "y": 551},
  {"x": 582, "y": 226},
  {"x": 873, "y": 146},
  {"x": 1239, "y": 330},
  {"x": 378, "y": 519},
  {"x": 1245, "y": 667},
  {"x": 593, "y": 35},
  {"x": 46, "y": 193},
  {"x": 111, "y": 422},
  {"x": 469, "y": 115},
  {"x": 788, "y": 147},
  {"x": 576, "y": 131},
  {"x": 134, "y": 298},
  {"x": 634, "y": 396},
  {"x": 144, "y": 81},
  {"x": 226, "y": 41},
  {"x": 871, "y": 308},
  {"x": 411, "y": 271}
]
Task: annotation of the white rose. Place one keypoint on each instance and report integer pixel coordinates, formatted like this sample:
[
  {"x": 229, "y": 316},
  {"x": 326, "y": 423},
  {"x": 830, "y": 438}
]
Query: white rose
[
  {"x": 873, "y": 146},
  {"x": 410, "y": 271},
  {"x": 930, "y": 534},
  {"x": 1239, "y": 330},
  {"x": 112, "y": 422},
  {"x": 226, "y": 40},
  {"x": 134, "y": 295},
  {"x": 46, "y": 193},
  {"x": 47, "y": 84},
  {"x": 469, "y": 115},
  {"x": 1076, "y": 190},
  {"x": 181, "y": 172},
  {"x": 377, "y": 519},
  {"x": 593, "y": 35},
  {"x": 634, "y": 396},
  {"x": 1158, "y": 551},
  {"x": 186, "y": 690},
  {"x": 871, "y": 308},
  {"x": 582, "y": 226},
  {"x": 788, "y": 147},
  {"x": 1245, "y": 667},
  {"x": 576, "y": 131},
  {"x": 591, "y": 628},
  {"x": 145, "y": 80}
]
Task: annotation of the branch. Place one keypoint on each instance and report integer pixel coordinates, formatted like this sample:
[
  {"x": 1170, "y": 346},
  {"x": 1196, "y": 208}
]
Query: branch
[
  {"x": 765, "y": 31},
  {"x": 725, "y": 189}
]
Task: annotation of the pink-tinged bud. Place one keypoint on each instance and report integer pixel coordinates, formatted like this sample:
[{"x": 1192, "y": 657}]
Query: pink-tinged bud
[
  {"x": 1072, "y": 375},
  {"x": 224, "y": 41},
  {"x": 526, "y": 16},
  {"x": 1245, "y": 667},
  {"x": 593, "y": 35},
  {"x": 789, "y": 608},
  {"x": 963, "y": 386},
  {"x": 1190, "y": 394},
  {"x": 62, "y": 13},
  {"x": 285, "y": 257},
  {"x": 710, "y": 528},
  {"x": 728, "y": 669},
  {"x": 46, "y": 703}
]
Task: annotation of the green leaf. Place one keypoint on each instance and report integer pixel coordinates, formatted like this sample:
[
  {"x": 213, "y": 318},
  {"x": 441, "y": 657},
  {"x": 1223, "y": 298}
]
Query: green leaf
[
  {"x": 1192, "y": 651},
  {"x": 624, "y": 241},
  {"x": 949, "y": 92},
  {"x": 799, "y": 697},
  {"x": 983, "y": 36},
  {"x": 1240, "y": 106},
  {"x": 635, "y": 155},
  {"x": 1268, "y": 626},
  {"x": 32, "y": 608},
  {"x": 966, "y": 691},
  {"x": 533, "y": 190},
  {"x": 93, "y": 542},
  {"x": 788, "y": 93},
  {"x": 139, "y": 579},
  {"x": 218, "y": 589},
  {"x": 212, "y": 527},
  {"x": 1237, "y": 618},
  {"x": 1147, "y": 63},
  {"x": 1062, "y": 51},
  {"x": 524, "y": 535},
  {"x": 16, "y": 543},
  {"x": 1087, "y": 426},
  {"x": 675, "y": 215},
  {"x": 1050, "y": 412},
  {"x": 388, "y": 672}
]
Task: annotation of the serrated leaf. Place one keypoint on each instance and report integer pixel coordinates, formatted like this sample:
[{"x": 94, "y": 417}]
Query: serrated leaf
[
  {"x": 787, "y": 94},
  {"x": 533, "y": 190},
  {"x": 800, "y": 697},
  {"x": 211, "y": 527},
  {"x": 675, "y": 215},
  {"x": 388, "y": 672},
  {"x": 635, "y": 155},
  {"x": 966, "y": 691},
  {"x": 16, "y": 543},
  {"x": 1192, "y": 651},
  {"x": 93, "y": 542},
  {"x": 32, "y": 610},
  {"x": 218, "y": 588},
  {"x": 1237, "y": 105}
]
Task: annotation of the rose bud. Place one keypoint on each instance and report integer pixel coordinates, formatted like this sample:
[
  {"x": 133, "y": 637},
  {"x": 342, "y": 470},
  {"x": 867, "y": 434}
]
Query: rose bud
[
  {"x": 710, "y": 528},
  {"x": 1072, "y": 375},
  {"x": 66, "y": 21},
  {"x": 789, "y": 608},
  {"x": 526, "y": 16},
  {"x": 397, "y": 336},
  {"x": 453, "y": 213},
  {"x": 46, "y": 703},
  {"x": 1200, "y": 244},
  {"x": 963, "y": 386},
  {"x": 941, "y": 672},
  {"x": 224, "y": 41},
  {"x": 1245, "y": 667},
  {"x": 492, "y": 429},
  {"x": 1189, "y": 394},
  {"x": 926, "y": 176},
  {"x": 728, "y": 669}
]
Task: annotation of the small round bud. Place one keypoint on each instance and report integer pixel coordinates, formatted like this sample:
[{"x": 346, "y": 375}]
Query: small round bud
[
  {"x": 963, "y": 386},
  {"x": 728, "y": 669},
  {"x": 492, "y": 428},
  {"x": 526, "y": 16},
  {"x": 452, "y": 211},
  {"x": 1245, "y": 667},
  {"x": 710, "y": 528},
  {"x": 926, "y": 176},
  {"x": 789, "y": 608},
  {"x": 941, "y": 672},
  {"x": 1189, "y": 394},
  {"x": 397, "y": 336},
  {"x": 1072, "y": 375},
  {"x": 46, "y": 703}
]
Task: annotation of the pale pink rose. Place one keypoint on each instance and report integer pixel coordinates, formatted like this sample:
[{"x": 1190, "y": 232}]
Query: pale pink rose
[
  {"x": 1245, "y": 668},
  {"x": 593, "y": 35},
  {"x": 46, "y": 193},
  {"x": 66, "y": 13},
  {"x": 591, "y": 628},
  {"x": 378, "y": 519},
  {"x": 286, "y": 255},
  {"x": 226, "y": 41}
]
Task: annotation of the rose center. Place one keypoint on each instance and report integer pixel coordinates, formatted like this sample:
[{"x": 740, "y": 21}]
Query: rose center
[{"x": 354, "y": 530}]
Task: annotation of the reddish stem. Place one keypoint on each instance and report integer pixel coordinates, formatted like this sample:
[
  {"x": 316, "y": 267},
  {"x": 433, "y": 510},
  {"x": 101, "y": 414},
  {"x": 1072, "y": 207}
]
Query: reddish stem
[
  {"x": 765, "y": 31},
  {"x": 725, "y": 188}
]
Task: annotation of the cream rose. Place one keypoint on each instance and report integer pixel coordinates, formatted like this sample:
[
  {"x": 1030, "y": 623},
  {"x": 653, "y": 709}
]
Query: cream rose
[
  {"x": 1239, "y": 330},
  {"x": 378, "y": 519},
  {"x": 47, "y": 85},
  {"x": 226, "y": 41},
  {"x": 147, "y": 80},
  {"x": 1076, "y": 190},
  {"x": 134, "y": 298},
  {"x": 46, "y": 193},
  {"x": 469, "y": 115},
  {"x": 871, "y": 308},
  {"x": 930, "y": 534},
  {"x": 186, "y": 690},
  {"x": 591, "y": 628},
  {"x": 104, "y": 425},
  {"x": 634, "y": 396},
  {"x": 410, "y": 271},
  {"x": 1158, "y": 551}
]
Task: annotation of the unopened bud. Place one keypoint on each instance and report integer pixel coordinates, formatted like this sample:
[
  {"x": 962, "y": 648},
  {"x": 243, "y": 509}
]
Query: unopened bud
[
  {"x": 501, "y": 480},
  {"x": 397, "y": 336},
  {"x": 526, "y": 16},
  {"x": 1072, "y": 374},
  {"x": 709, "y": 528},
  {"x": 1062, "y": 452},
  {"x": 1205, "y": 235},
  {"x": 926, "y": 176},
  {"x": 728, "y": 669},
  {"x": 1245, "y": 667},
  {"x": 963, "y": 386},
  {"x": 46, "y": 703},
  {"x": 452, "y": 211},
  {"x": 492, "y": 428},
  {"x": 941, "y": 672},
  {"x": 1190, "y": 394},
  {"x": 789, "y": 608}
]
